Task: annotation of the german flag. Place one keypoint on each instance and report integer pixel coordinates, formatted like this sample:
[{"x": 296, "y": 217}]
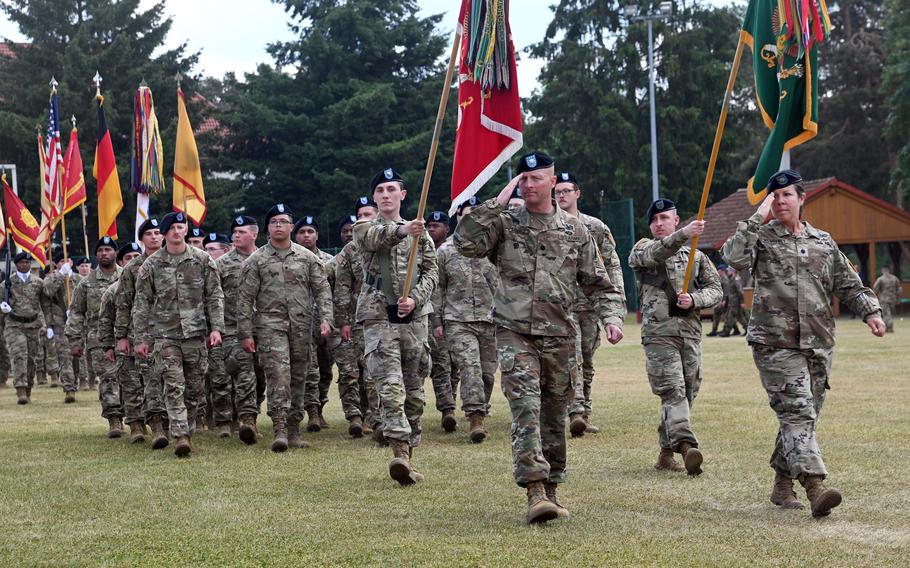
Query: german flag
[
  {"x": 23, "y": 226},
  {"x": 110, "y": 199}
]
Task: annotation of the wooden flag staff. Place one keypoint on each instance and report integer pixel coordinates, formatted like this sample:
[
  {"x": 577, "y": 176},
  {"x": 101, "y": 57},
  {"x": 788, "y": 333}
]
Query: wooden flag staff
[
  {"x": 431, "y": 160},
  {"x": 718, "y": 135}
]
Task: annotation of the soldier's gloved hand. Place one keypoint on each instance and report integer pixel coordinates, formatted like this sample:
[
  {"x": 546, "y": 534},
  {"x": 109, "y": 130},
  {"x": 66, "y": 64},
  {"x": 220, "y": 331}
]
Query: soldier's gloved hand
[
  {"x": 614, "y": 334},
  {"x": 5, "y": 308},
  {"x": 66, "y": 269},
  {"x": 877, "y": 325},
  {"x": 346, "y": 333},
  {"x": 50, "y": 333}
]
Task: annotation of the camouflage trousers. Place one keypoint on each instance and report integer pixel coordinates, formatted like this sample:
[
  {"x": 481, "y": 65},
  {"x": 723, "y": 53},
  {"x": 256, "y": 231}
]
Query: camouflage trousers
[
  {"x": 537, "y": 377},
  {"x": 234, "y": 388},
  {"x": 181, "y": 364},
  {"x": 795, "y": 380},
  {"x": 735, "y": 314},
  {"x": 22, "y": 346},
  {"x": 41, "y": 357},
  {"x": 62, "y": 362},
  {"x": 153, "y": 386},
  {"x": 108, "y": 384},
  {"x": 285, "y": 357},
  {"x": 717, "y": 316},
  {"x": 132, "y": 389},
  {"x": 441, "y": 373},
  {"x": 398, "y": 360},
  {"x": 4, "y": 361},
  {"x": 216, "y": 379},
  {"x": 354, "y": 383},
  {"x": 673, "y": 365},
  {"x": 472, "y": 346},
  {"x": 586, "y": 343},
  {"x": 888, "y": 315},
  {"x": 319, "y": 374}
]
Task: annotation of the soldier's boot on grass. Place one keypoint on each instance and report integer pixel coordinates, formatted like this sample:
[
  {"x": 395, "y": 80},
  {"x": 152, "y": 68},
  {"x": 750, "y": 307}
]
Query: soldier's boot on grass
[
  {"x": 550, "y": 489},
  {"x": 115, "y": 428},
  {"x": 692, "y": 458},
  {"x": 418, "y": 477},
  {"x": 355, "y": 427},
  {"x": 159, "y": 437},
  {"x": 69, "y": 397},
  {"x": 248, "y": 433},
  {"x": 478, "y": 431},
  {"x": 294, "y": 439},
  {"x": 448, "y": 422},
  {"x": 367, "y": 430},
  {"x": 22, "y": 394},
  {"x": 41, "y": 379},
  {"x": 183, "y": 447},
  {"x": 137, "y": 432},
  {"x": 577, "y": 425},
  {"x": 782, "y": 493},
  {"x": 540, "y": 509},
  {"x": 724, "y": 333},
  {"x": 590, "y": 428},
  {"x": 280, "y": 443},
  {"x": 735, "y": 330},
  {"x": 323, "y": 423},
  {"x": 313, "y": 423},
  {"x": 224, "y": 430},
  {"x": 821, "y": 498},
  {"x": 666, "y": 461},
  {"x": 400, "y": 466},
  {"x": 55, "y": 381},
  {"x": 28, "y": 393}
]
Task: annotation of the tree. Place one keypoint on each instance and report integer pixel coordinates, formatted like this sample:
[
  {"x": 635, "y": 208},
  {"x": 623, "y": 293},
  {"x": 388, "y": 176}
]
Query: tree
[{"x": 896, "y": 84}]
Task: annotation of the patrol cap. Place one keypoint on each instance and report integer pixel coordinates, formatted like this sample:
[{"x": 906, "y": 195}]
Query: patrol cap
[
  {"x": 347, "y": 220},
  {"x": 194, "y": 233},
  {"x": 278, "y": 209},
  {"x": 659, "y": 206},
  {"x": 783, "y": 179},
  {"x": 216, "y": 238},
  {"x": 365, "y": 201},
  {"x": 437, "y": 217},
  {"x": 386, "y": 175},
  {"x": 305, "y": 221},
  {"x": 534, "y": 161},
  {"x": 105, "y": 242},
  {"x": 82, "y": 260},
  {"x": 173, "y": 217},
  {"x": 470, "y": 202},
  {"x": 566, "y": 177},
  {"x": 22, "y": 256},
  {"x": 243, "y": 221},
  {"x": 127, "y": 249},
  {"x": 147, "y": 225}
]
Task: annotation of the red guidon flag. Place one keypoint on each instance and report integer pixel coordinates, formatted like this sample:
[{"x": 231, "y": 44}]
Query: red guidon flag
[
  {"x": 489, "y": 111},
  {"x": 23, "y": 226},
  {"x": 73, "y": 176}
]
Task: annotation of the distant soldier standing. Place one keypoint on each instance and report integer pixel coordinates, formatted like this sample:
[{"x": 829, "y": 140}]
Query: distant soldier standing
[
  {"x": 395, "y": 327},
  {"x": 734, "y": 315},
  {"x": 282, "y": 289},
  {"x": 58, "y": 287},
  {"x": 437, "y": 224},
  {"x": 545, "y": 257},
  {"x": 24, "y": 320},
  {"x": 216, "y": 245},
  {"x": 797, "y": 269},
  {"x": 671, "y": 327},
  {"x": 889, "y": 291},
  {"x": 180, "y": 285}
]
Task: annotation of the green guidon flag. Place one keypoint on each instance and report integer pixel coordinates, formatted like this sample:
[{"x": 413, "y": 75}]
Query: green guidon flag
[{"x": 783, "y": 36}]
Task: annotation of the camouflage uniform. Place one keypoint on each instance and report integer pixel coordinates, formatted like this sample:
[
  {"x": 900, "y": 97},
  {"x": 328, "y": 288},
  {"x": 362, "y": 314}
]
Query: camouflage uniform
[
  {"x": 184, "y": 292},
  {"x": 55, "y": 288},
  {"x": 735, "y": 315},
  {"x": 4, "y": 356},
  {"x": 719, "y": 313},
  {"x": 792, "y": 327},
  {"x": 397, "y": 355},
  {"x": 672, "y": 343},
  {"x": 23, "y": 327},
  {"x": 281, "y": 291},
  {"x": 586, "y": 316},
  {"x": 542, "y": 260},
  {"x": 153, "y": 387},
  {"x": 465, "y": 299},
  {"x": 236, "y": 394},
  {"x": 888, "y": 289},
  {"x": 128, "y": 378},
  {"x": 319, "y": 375},
  {"x": 82, "y": 331}
]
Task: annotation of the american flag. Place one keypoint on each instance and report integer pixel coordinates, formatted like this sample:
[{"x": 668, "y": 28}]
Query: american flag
[{"x": 52, "y": 198}]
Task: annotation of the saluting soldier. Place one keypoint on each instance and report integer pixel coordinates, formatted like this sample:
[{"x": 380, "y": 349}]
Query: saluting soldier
[
  {"x": 24, "y": 320},
  {"x": 545, "y": 257},
  {"x": 395, "y": 327},
  {"x": 181, "y": 286}
]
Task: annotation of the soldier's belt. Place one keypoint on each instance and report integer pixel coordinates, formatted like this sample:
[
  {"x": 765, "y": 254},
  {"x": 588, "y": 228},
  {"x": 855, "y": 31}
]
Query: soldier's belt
[{"x": 21, "y": 319}]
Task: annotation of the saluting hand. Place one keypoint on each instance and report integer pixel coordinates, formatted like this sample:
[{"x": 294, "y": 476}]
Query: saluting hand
[
  {"x": 765, "y": 207},
  {"x": 506, "y": 193},
  {"x": 877, "y": 325}
]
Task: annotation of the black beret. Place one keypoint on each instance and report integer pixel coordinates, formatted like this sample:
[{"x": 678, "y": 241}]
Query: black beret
[
  {"x": 243, "y": 221},
  {"x": 220, "y": 238},
  {"x": 22, "y": 256},
  {"x": 173, "y": 217},
  {"x": 194, "y": 233},
  {"x": 82, "y": 260},
  {"x": 566, "y": 177},
  {"x": 105, "y": 242},
  {"x": 534, "y": 161},
  {"x": 58, "y": 257},
  {"x": 388, "y": 174},
  {"x": 278, "y": 209},
  {"x": 365, "y": 201},
  {"x": 660, "y": 206},
  {"x": 127, "y": 249},
  {"x": 783, "y": 179},
  {"x": 348, "y": 220},
  {"x": 437, "y": 217},
  {"x": 147, "y": 225},
  {"x": 305, "y": 221},
  {"x": 472, "y": 201}
]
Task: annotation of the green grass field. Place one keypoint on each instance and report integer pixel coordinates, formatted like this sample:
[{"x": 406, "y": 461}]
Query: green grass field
[{"x": 72, "y": 497}]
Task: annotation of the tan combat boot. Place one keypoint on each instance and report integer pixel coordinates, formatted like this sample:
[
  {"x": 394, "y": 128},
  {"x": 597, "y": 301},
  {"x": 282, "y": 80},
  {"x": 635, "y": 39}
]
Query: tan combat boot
[
  {"x": 448, "y": 422},
  {"x": 590, "y": 428},
  {"x": 115, "y": 428},
  {"x": 69, "y": 397},
  {"x": 400, "y": 466},
  {"x": 666, "y": 462},
  {"x": 550, "y": 489},
  {"x": 312, "y": 423},
  {"x": 137, "y": 432},
  {"x": 577, "y": 425},
  {"x": 478, "y": 432},
  {"x": 355, "y": 427},
  {"x": 183, "y": 447},
  {"x": 248, "y": 432},
  {"x": 159, "y": 437},
  {"x": 692, "y": 458},
  {"x": 782, "y": 494},
  {"x": 294, "y": 439},
  {"x": 224, "y": 430},
  {"x": 367, "y": 431},
  {"x": 22, "y": 393},
  {"x": 280, "y": 443},
  {"x": 322, "y": 421},
  {"x": 820, "y": 497},
  {"x": 540, "y": 509},
  {"x": 418, "y": 477},
  {"x": 55, "y": 381}
]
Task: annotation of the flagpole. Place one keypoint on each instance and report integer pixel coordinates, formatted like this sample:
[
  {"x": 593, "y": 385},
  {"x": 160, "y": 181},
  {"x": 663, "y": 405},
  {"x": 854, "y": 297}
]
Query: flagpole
[
  {"x": 709, "y": 177},
  {"x": 431, "y": 160},
  {"x": 178, "y": 77},
  {"x": 84, "y": 233}
]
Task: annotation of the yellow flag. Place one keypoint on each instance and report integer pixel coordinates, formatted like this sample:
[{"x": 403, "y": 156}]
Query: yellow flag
[{"x": 189, "y": 196}]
